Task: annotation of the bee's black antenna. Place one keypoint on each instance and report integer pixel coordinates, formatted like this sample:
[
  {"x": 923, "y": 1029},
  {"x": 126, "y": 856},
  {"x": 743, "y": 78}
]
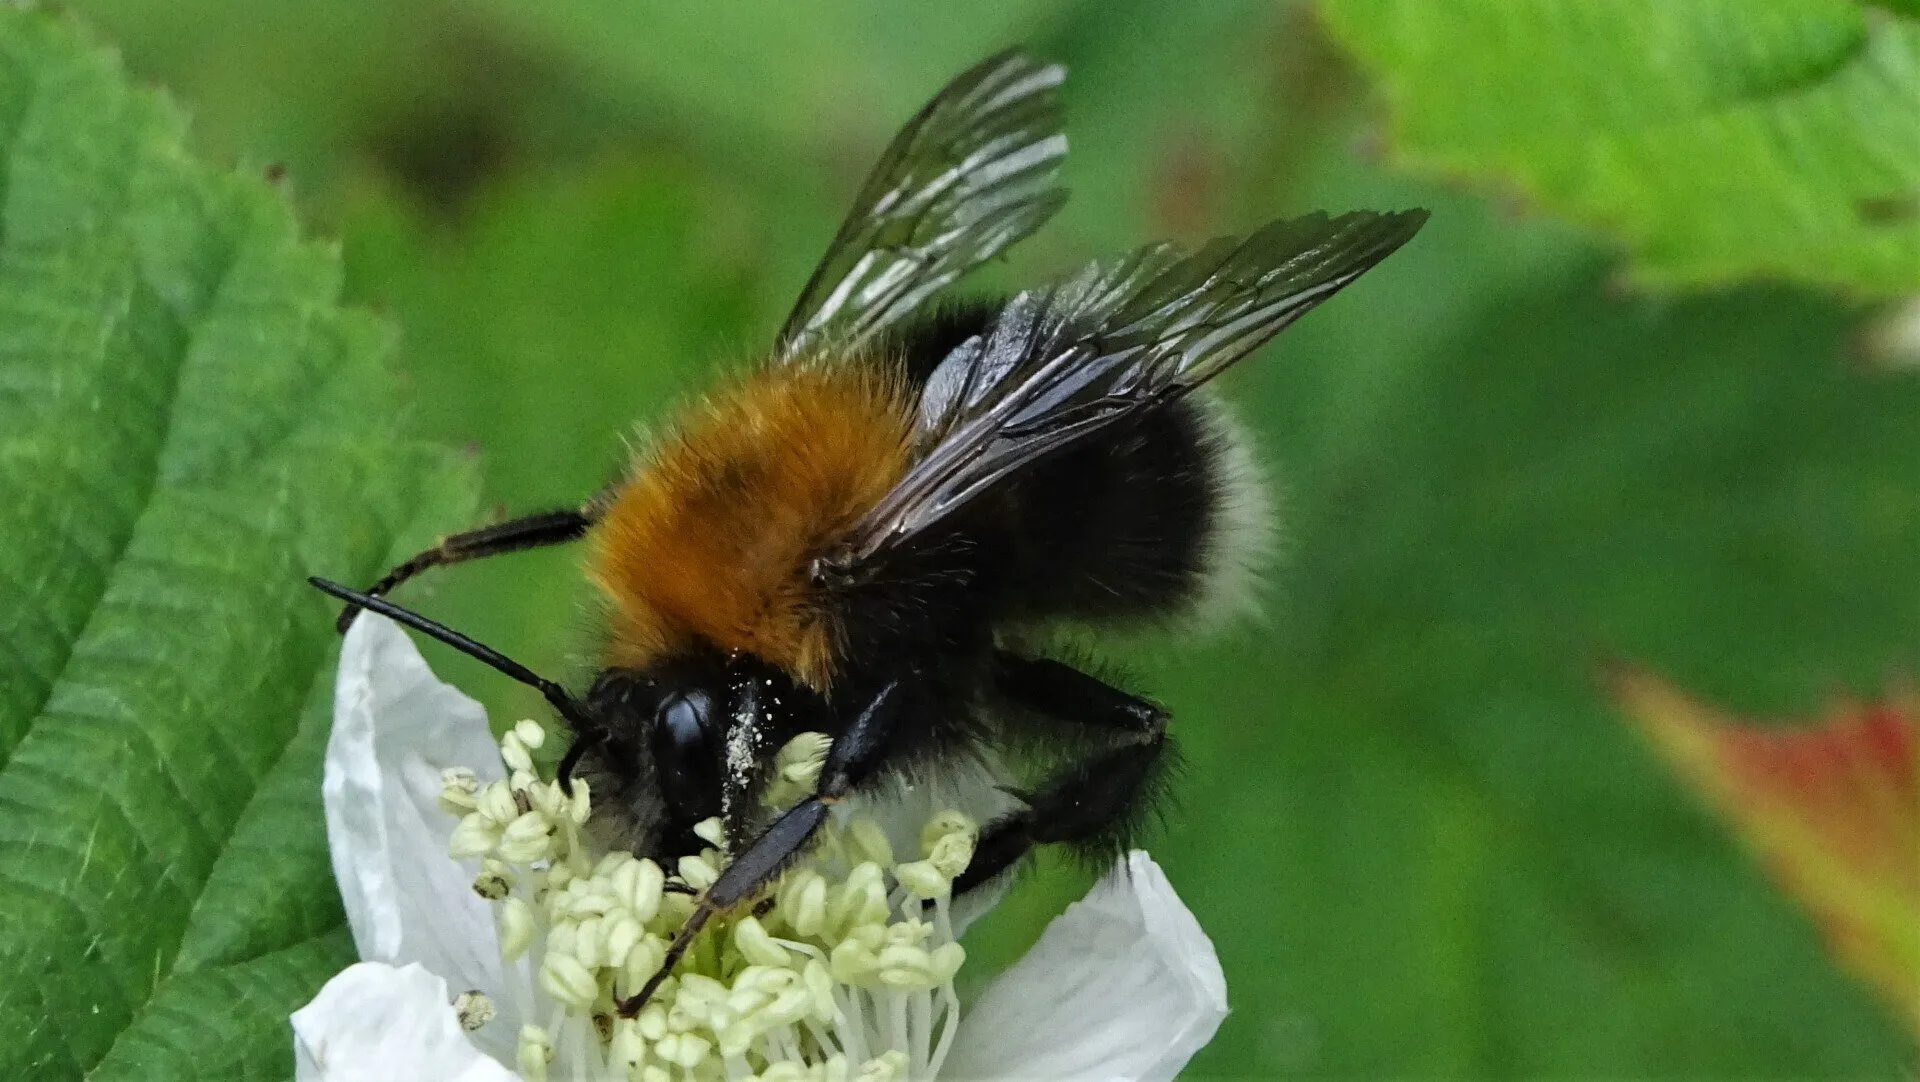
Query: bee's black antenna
[
  {"x": 584, "y": 741},
  {"x": 566, "y": 704}
]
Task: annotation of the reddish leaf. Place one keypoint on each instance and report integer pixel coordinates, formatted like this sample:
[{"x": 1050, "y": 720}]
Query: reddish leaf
[{"x": 1832, "y": 809}]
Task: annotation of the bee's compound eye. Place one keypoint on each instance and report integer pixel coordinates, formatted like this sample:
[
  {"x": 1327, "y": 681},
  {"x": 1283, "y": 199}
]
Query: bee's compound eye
[
  {"x": 683, "y": 719},
  {"x": 685, "y": 754}
]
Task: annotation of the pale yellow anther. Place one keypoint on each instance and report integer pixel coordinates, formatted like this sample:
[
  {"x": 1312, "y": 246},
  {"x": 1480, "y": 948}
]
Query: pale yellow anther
[
  {"x": 516, "y": 928},
  {"x": 872, "y": 936},
  {"x": 534, "y": 1053},
  {"x": 492, "y": 886},
  {"x": 546, "y": 799},
  {"x": 643, "y": 896},
  {"x": 698, "y": 988},
  {"x": 580, "y": 802},
  {"x": 803, "y": 902},
  {"x": 862, "y": 899},
  {"x": 908, "y": 933},
  {"x": 652, "y": 1021},
  {"x": 686, "y": 1017},
  {"x": 627, "y": 1052},
  {"x": 943, "y": 824},
  {"x": 686, "y": 1050},
  {"x": 644, "y": 960},
  {"x": 618, "y": 870},
  {"x": 750, "y": 938},
  {"x": 456, "y": 802},
  {"x": 952, "y": 853},
  {"x": 796, "y": 769},
  {"x": 742, "y": 1002},
  {"x": 712, "y": 831},
  {"x": 800, "y": 759},
  {"x": 675, "y": 908},
  {"x": 790, "y": 1006},
  {"x": 697, "y": 872},
  {"x": 590, "y": 942},
  {"x": 819, "y": 983},
  {"x": 769, "y": 979},
  {"x": 786, "y": 1072},
  {"x": 947, "y": 960},
  {"x": 495, "y": 801},
  {"x": 560, "y": 876},
  {"x": 566, "y": 980},
  {"x": 736, "y": 1037},
  {"x": 870, "y": 842},
  {"x": 514, "y": 753},
  {"x": 530, "y": 732},
  {"x": 906, "y": 967},
  {"x": 475, "y": 835},
  {"x": 561, "y": 936},
  {"x": 588, "y": 902},
  {"x": 922, "y": 880},
  {"x": 623, "y": 934},
  {"x": 852, "y": 963},
  {"x": 526, "y": 839}
]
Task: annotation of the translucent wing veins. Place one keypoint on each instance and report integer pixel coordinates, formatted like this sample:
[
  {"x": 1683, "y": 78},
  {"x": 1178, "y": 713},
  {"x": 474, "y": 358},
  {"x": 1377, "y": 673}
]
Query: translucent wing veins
[
  {"x": 1062, "y": 363},
  {"x": 969, "y": 175}
]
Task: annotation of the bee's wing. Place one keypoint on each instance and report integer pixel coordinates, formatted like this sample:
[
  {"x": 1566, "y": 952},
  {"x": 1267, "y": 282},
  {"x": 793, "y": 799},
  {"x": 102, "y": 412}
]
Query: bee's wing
[
  {"x": 973, "y": 172},
  {"x": 1060, "y": 364}
]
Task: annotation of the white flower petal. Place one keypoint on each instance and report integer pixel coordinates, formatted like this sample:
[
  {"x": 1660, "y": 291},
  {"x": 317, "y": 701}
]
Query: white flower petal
[
  {"x": 1123, "y": 987},
  {"x": 377, "y": 1023},
  {"x": 395, "y": 727}
]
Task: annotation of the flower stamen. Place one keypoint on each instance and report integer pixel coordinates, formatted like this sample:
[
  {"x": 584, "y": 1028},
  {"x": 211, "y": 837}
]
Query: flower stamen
[{"x": 836, "y": 973}]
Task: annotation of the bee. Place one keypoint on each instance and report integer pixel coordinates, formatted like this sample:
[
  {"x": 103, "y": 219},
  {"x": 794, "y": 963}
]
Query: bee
[{"x": 857, "y": 535}]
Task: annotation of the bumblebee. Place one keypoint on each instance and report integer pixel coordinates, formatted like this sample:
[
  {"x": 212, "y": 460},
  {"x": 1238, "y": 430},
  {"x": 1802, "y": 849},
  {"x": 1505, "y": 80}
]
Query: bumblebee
[{"x": 857, "y": 535}]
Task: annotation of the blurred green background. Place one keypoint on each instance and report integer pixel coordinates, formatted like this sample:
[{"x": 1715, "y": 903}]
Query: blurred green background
[{"x": 1423, "y": 842}]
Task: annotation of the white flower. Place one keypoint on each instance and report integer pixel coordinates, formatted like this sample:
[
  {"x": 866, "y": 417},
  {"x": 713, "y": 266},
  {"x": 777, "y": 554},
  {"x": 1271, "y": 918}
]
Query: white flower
[{"x": 1122, "y": 986}]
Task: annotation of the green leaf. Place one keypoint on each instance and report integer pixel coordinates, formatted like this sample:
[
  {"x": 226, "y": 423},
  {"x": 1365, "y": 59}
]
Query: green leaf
[
  {"x": 1717, "y": 139},
  {"x": 189, "y": 427},
  {"x": 1422, "y": 839}
]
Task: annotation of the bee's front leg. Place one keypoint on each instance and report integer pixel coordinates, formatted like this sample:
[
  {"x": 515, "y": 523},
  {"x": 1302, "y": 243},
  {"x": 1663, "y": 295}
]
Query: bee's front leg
[{"x": 855, "y": 754}]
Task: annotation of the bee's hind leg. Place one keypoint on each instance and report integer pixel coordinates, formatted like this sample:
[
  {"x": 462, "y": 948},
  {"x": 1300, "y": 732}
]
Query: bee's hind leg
[{"x": 1093, "y": 803}]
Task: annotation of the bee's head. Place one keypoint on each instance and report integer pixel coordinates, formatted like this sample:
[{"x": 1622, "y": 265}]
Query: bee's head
[{"x": 684, "y": 740}]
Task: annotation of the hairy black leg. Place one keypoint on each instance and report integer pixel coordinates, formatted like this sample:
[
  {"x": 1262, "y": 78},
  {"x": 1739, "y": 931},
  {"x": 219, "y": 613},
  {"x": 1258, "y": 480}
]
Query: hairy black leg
[
  {"x": 514, "y": 535},
  {"x": 850, "y": 761},
  {"x": 1064, "y": 693},
  {"x": 1093, "y": 801}
]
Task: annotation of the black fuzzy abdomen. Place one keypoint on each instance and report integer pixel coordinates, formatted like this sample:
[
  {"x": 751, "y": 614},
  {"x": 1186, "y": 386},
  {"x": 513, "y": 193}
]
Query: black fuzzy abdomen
[
  {"x": 1117, "y": 528},
  {"x": 1120, "y": 527}
]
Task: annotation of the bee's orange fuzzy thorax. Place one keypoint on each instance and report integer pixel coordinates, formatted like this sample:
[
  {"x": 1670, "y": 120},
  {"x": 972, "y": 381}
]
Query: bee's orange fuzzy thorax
[{"x": 711, "y": 537}]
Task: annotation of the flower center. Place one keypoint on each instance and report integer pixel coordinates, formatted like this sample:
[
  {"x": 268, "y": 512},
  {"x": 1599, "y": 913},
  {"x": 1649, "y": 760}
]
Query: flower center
[{"x": 842, "y": 970}]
